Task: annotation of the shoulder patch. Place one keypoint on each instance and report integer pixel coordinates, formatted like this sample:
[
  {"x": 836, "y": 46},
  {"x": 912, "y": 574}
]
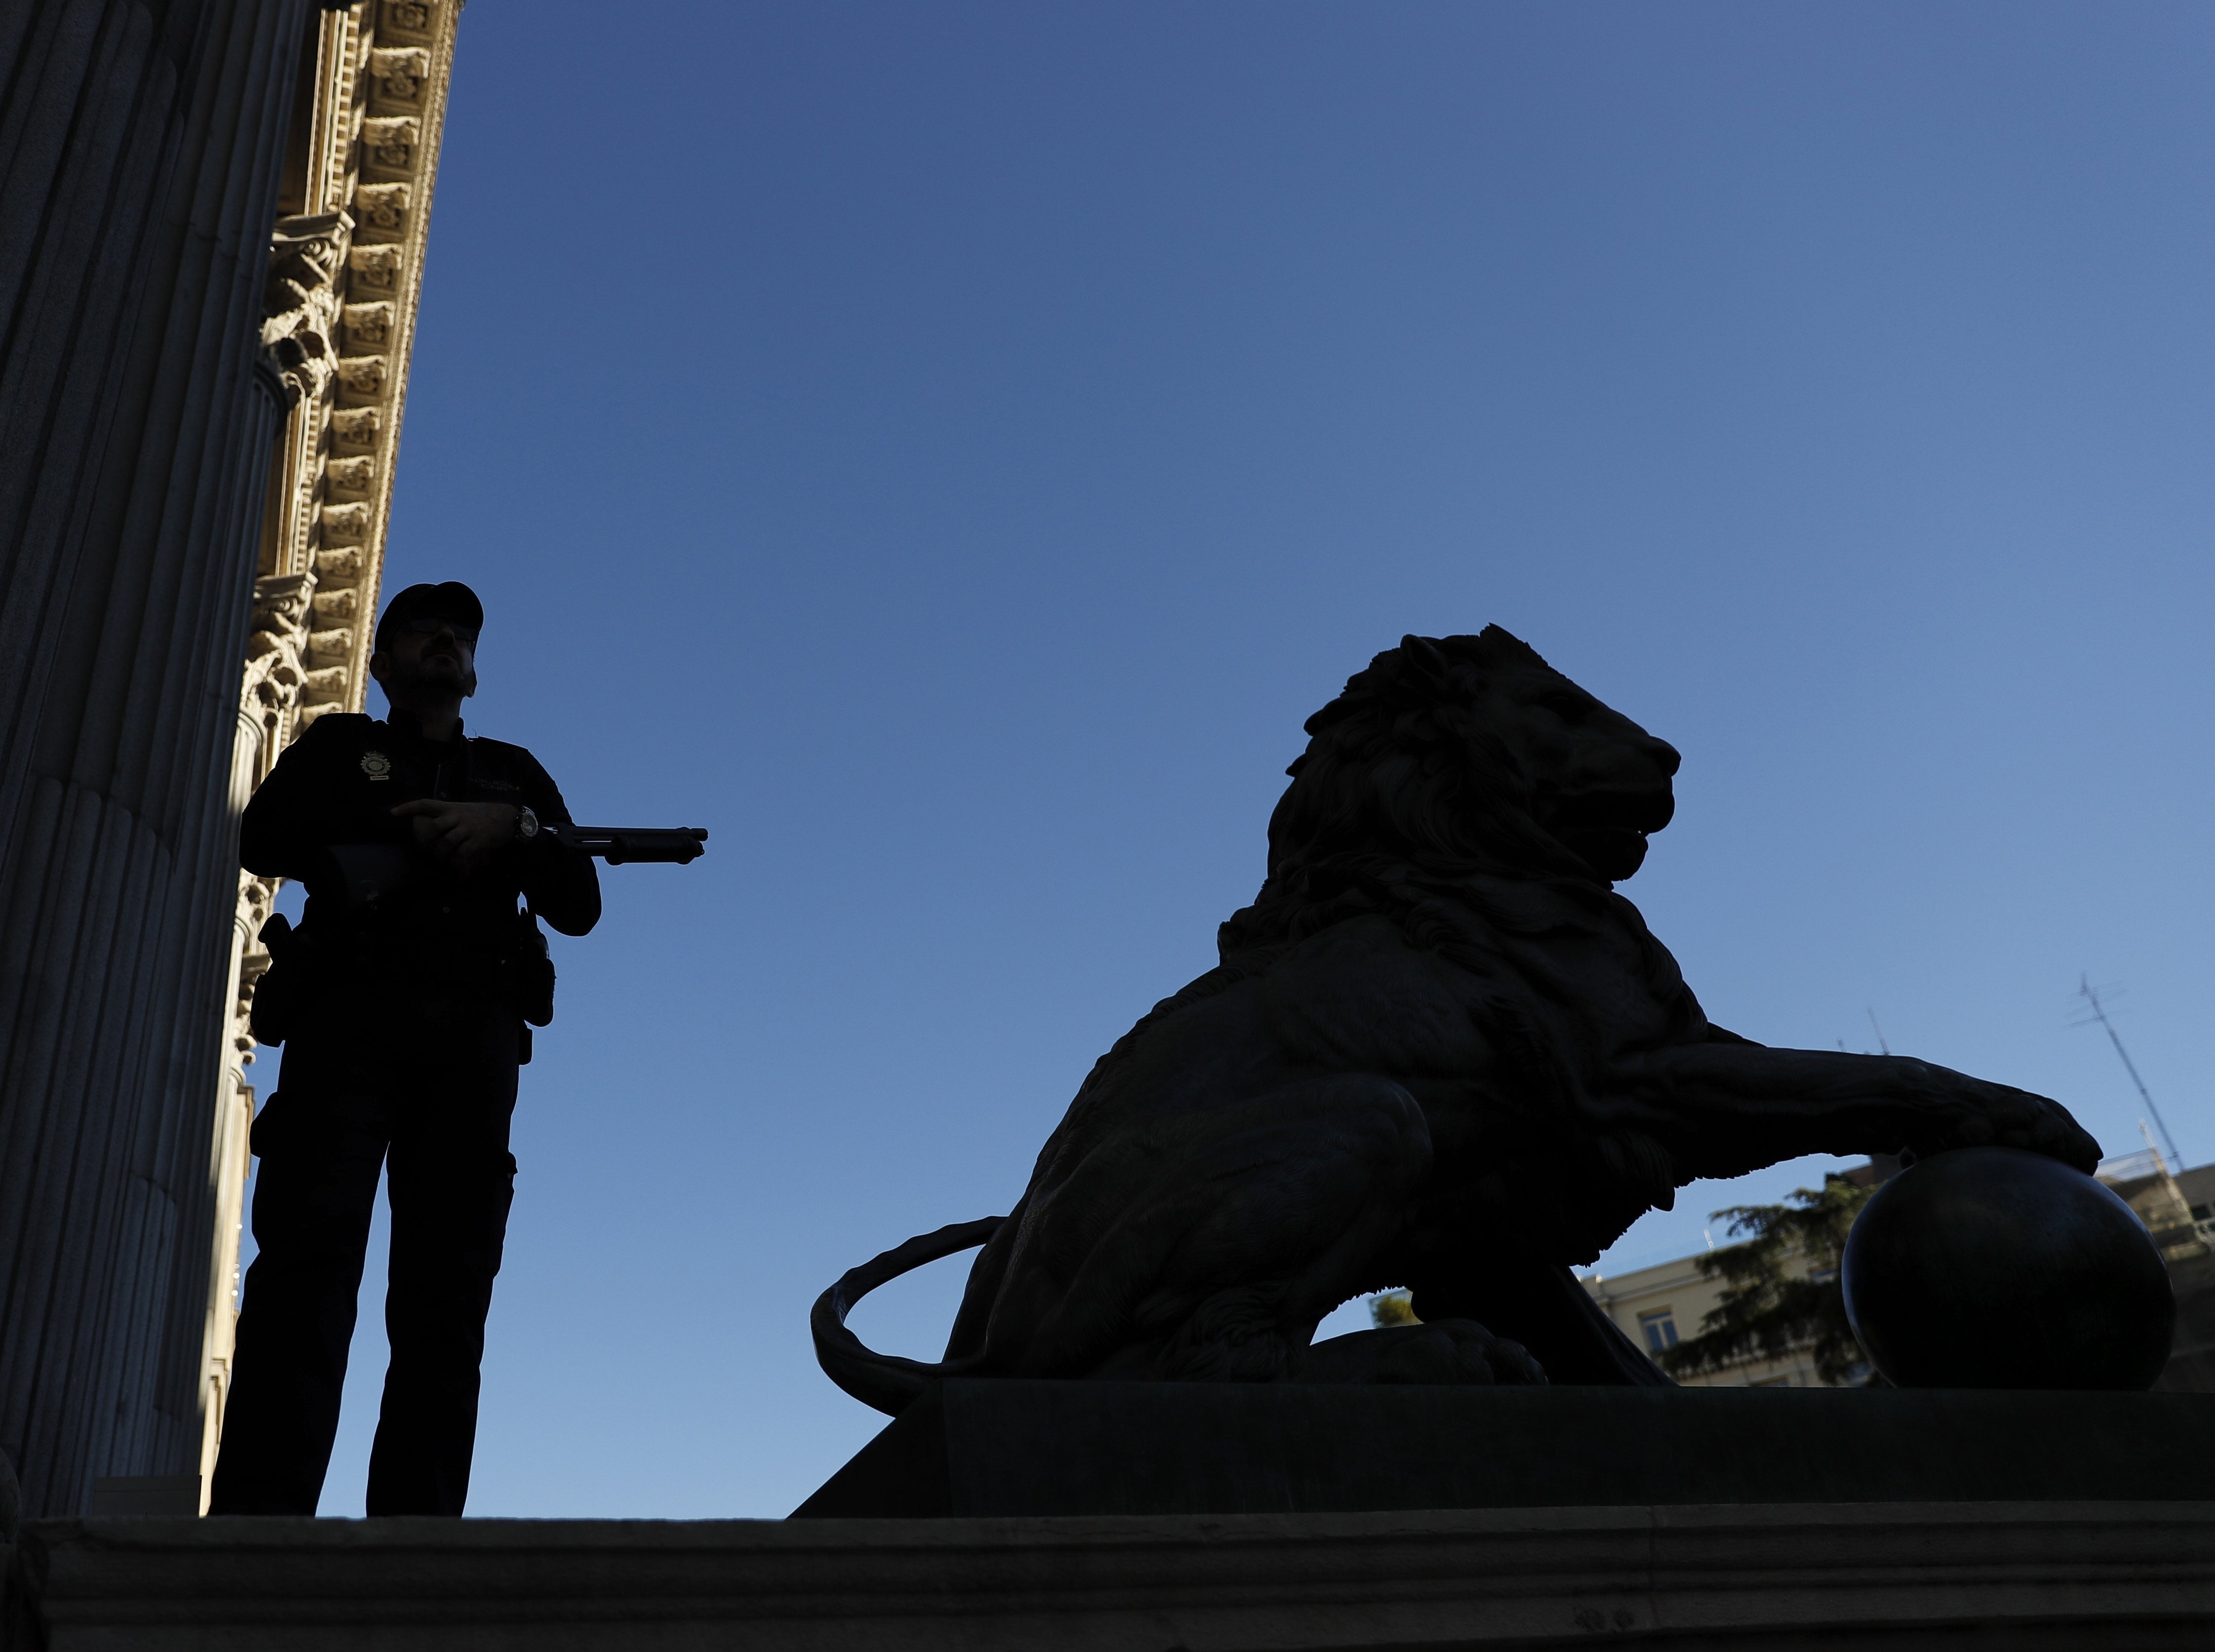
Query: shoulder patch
[
  {"x": 377, "y": 765},
  {"x": 333, "y": 725}
]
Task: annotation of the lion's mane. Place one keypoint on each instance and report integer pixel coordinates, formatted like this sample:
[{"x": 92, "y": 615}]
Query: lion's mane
[{"x": 1402, "y": 784}]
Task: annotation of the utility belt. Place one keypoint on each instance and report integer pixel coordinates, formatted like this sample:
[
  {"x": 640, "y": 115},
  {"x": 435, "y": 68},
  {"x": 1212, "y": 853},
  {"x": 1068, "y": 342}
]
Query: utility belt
[{"x": 306, "y": 966}]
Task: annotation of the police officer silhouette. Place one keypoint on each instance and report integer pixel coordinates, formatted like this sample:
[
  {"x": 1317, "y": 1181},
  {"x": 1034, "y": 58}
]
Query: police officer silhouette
[{"x": 401, "y": 1000}]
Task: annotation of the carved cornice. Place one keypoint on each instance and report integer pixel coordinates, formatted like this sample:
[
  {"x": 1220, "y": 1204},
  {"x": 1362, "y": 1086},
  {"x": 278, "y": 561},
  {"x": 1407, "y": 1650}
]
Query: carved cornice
[
  {"x": 346, "y": 277},
  {"x": 298, "y": 339},
  {"x": 275, "y": 671}
]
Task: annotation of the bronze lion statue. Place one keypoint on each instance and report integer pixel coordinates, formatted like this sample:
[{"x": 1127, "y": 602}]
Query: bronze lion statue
[{"x": 1440, "y": 1052}]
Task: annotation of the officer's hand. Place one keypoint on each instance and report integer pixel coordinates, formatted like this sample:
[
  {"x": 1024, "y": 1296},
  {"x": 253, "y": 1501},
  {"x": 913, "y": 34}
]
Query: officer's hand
[{"x": 463, "y": 835}]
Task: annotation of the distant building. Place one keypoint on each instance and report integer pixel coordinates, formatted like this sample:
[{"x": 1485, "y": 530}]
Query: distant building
[
  {"x": 1659, "y": 1306},
  {"x": 2179, "y": 1210}
]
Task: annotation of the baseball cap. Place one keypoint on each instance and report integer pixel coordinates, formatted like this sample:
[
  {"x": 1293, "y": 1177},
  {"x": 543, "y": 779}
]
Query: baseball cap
[{"x": 450, "y": 600}]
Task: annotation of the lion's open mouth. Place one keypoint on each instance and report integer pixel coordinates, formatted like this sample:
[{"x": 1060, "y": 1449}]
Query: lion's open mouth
[
  {"x": 1607, "y": 830},
  {"x": 1641, "y": 812}
]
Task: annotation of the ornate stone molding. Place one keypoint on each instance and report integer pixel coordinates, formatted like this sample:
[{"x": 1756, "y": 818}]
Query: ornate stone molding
[
  {"x": 344, "y": 276},
  {"x": 303, "y": 301}
]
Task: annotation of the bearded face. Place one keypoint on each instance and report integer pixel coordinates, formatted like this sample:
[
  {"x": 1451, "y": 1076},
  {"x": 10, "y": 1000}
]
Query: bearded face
[{"x": 418, "y": 667}]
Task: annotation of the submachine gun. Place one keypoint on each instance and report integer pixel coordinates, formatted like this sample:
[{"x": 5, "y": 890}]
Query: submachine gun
[
  {"x": 534, "y": 964},
  {"x": 678, "y": 845},
  {"x": 372, "y": 870}
]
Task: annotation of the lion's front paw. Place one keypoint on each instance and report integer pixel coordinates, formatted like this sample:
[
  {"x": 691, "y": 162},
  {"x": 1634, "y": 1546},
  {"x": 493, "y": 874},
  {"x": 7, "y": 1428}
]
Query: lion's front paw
[
  {"x": 1996, "y": 1115},
  {"x": 1440, "y": 1352},
  {"x": 2058, "y": 1137}
]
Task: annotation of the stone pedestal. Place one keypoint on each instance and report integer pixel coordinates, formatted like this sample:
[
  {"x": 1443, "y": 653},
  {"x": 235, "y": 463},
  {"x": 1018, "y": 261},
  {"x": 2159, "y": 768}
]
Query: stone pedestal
[
  {"x": 1051, "y": 1448},
  {"x": 1268, "y": 1520},
  {"x": 2097, "y": 1576}
]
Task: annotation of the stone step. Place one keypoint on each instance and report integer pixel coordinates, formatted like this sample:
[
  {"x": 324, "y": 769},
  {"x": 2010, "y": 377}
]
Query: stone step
[{"x": 1837, "y": 1576}]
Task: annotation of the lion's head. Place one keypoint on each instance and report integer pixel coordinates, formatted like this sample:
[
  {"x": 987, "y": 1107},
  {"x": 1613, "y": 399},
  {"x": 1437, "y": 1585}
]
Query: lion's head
[{"x": 1455, "y": 755}]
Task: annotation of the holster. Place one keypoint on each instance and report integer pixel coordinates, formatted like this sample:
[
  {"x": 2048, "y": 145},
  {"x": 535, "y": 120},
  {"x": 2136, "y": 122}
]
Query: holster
[
  {"x": 530, "y": 972},
  {"x": 278, "y": 994}
]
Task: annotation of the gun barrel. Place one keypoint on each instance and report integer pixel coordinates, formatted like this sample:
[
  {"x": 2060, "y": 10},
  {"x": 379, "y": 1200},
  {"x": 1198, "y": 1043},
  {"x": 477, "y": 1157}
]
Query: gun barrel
[{"x": 676, "y": 845}]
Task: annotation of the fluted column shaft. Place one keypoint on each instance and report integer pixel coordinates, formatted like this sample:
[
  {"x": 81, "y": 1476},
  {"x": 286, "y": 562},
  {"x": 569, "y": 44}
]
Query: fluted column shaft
[{"x": 140, "y": 146}]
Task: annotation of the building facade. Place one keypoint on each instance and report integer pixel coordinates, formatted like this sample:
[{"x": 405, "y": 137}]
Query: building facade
[
  {"x": 1659, "y": 1306},
  {"x": 212, "y": 218}
]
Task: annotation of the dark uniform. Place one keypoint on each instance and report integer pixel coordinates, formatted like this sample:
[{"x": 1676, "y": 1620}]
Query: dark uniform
[{"x": 405, "y": 989}]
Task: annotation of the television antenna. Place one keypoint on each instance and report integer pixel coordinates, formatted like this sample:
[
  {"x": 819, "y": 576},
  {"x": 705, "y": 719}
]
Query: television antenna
[{"x": 2090, "y": 994}]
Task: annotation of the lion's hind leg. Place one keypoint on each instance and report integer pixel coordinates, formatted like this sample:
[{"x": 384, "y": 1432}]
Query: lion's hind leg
[
  {"x": 1254, "y": 1220},
  {"x": 1302, "y": 1194}
]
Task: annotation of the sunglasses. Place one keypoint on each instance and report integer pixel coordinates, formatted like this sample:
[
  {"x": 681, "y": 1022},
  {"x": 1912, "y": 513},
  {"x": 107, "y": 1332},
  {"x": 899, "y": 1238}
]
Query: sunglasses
[{"x": 430, "y": 626}]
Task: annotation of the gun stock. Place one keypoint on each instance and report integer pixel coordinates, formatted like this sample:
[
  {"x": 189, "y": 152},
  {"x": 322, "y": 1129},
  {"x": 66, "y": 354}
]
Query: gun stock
[{"x": 615, "y": 844}]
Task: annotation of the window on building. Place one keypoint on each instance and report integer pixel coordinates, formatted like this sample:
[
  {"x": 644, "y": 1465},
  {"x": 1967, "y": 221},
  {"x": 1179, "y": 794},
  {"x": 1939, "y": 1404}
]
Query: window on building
[{"x": 1661, "y": 1329}]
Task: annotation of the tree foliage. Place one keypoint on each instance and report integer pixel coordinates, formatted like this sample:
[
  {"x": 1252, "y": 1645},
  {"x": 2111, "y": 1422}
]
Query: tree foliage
[
  {"x": 1393, "y": 1308},
  {"x": 1782, "y": 1294}
]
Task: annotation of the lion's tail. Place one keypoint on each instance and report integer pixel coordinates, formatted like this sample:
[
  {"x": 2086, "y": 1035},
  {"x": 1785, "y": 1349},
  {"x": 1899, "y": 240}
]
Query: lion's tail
[{"x": 885, "y": 1380}]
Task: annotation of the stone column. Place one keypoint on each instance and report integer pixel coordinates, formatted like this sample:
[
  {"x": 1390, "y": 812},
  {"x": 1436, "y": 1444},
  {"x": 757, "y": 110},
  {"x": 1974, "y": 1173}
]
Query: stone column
[{"x": 140, "y": 144}]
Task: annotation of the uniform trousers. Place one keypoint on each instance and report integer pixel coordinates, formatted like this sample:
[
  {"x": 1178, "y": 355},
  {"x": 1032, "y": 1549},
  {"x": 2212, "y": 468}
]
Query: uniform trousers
[{"x": 426, "y": 1093}]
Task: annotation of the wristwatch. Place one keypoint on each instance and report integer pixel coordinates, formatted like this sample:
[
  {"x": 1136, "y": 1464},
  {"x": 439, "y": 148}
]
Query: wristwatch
[{"x": 526, "y": 824}]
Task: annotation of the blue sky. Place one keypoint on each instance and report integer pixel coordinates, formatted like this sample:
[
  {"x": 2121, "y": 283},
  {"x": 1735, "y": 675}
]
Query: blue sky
[{"x": 947, "y": 451}]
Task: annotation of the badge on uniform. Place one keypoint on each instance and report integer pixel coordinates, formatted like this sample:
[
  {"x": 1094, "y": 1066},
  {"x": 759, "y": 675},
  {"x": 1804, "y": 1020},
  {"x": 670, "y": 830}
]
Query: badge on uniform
[{"x": 377, "y": 765}]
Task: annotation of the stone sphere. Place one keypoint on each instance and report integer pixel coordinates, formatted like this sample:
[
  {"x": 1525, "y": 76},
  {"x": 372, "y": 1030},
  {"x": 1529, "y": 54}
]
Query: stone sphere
[{"x": 1994, "y": 1268}]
